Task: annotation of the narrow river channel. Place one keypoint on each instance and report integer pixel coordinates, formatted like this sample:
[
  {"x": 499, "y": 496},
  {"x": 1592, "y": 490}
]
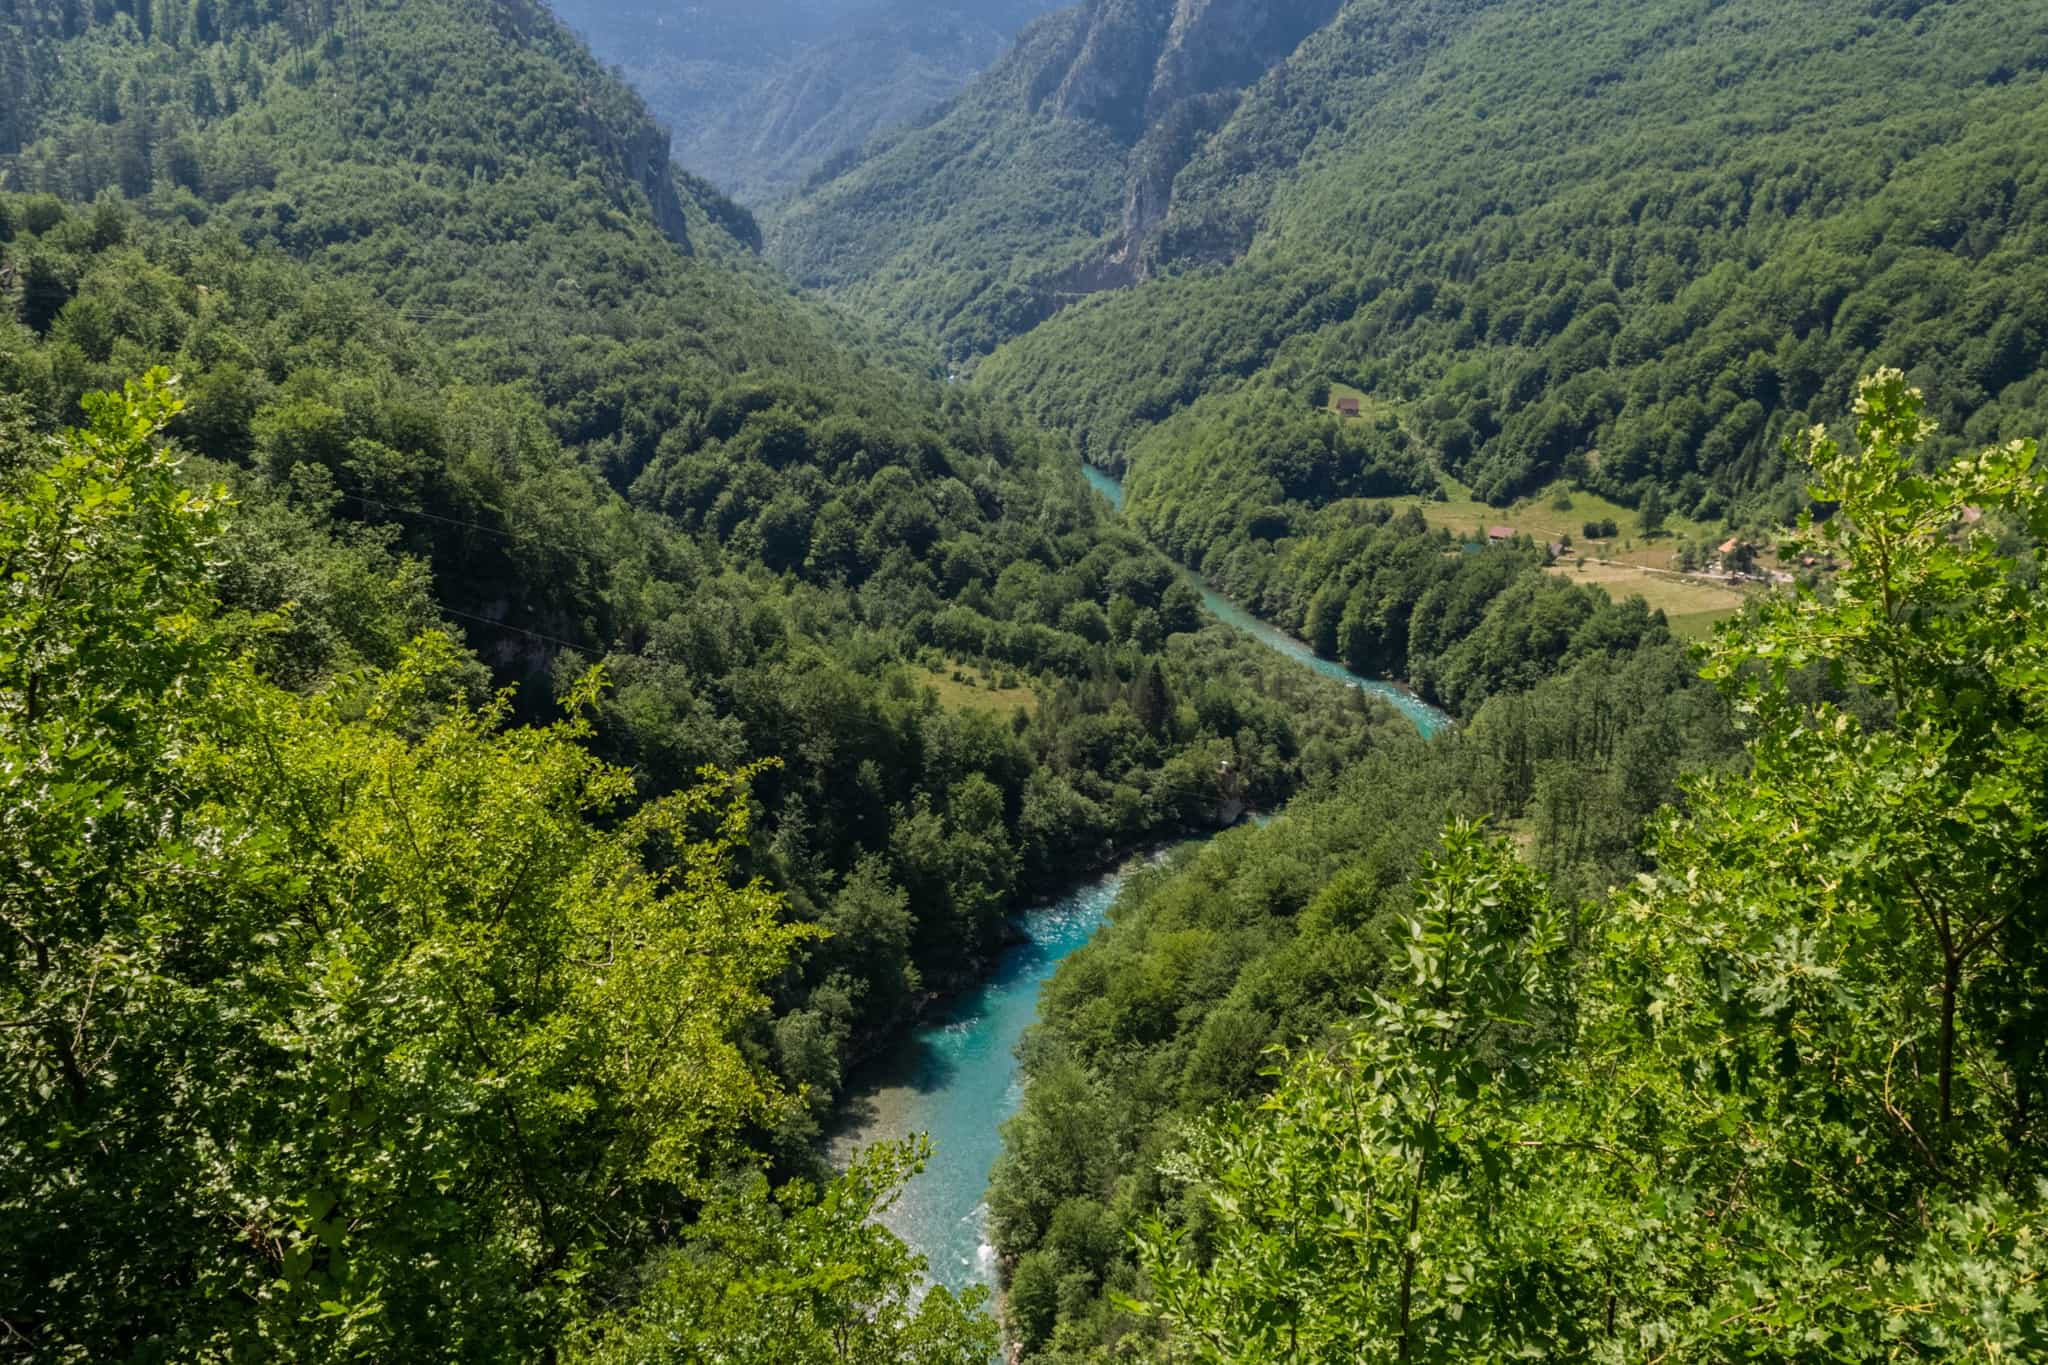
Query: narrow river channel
[
  {"x": 1427, "y": 718},
  {"x": 957, "y": 1078}
]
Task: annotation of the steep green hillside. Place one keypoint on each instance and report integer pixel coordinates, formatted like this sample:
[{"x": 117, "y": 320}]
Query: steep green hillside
[
  {"x": 1267, "y": 938},
  {"x": 519, "y": 204},
  {"x": 345, "y": 1018},
  {"x": 654, "y": 457},
  {"x": 763, "y": 96},
  {"x": 1635, "y": 247},
  {"x": 1632, "y": 246},
  {"x": 1046, "y": 179},
  {"x": 475, "y": 368}
]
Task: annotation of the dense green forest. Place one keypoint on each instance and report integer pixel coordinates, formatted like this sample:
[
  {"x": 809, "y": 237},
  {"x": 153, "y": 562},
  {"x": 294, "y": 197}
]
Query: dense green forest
[
  {"x": 1041, "y": 182},
  {"x": 673, "y": 468},
  {"x": 353, "y": 1022},
  {"x": 1375, "y": 1084},
  {"x": 1635, "y": 246},
  {"x": 755, "y": 597},
  {"x": 505, "y": 702},
  {"x": 478, "y": 374},
  {"x": 1284, "y": 510}
]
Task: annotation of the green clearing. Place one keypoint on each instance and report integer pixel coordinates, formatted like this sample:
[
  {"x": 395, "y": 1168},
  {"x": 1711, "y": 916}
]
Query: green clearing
[
  {"x": 1692, "y": 605},
  {"x": 963, "y": 687},
  {"x": 1368, "y": 406},
  {"x": 1539, "y": 518}
]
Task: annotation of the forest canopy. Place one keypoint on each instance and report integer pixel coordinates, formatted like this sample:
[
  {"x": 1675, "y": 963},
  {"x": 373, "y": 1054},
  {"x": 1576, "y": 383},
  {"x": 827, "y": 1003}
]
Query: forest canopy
[
  {"x": 331, "y": 1015},
  {"x": 1634, "y": 246},
  {"x": 506, "y": 703},
  {"x": 574, "y": 427},
  {"x": 1774, "y": 1097}
]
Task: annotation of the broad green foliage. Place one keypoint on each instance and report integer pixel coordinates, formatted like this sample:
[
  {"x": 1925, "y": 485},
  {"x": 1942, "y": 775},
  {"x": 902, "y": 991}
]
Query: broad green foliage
[
  {"x": 352, "y": 1010},
  {"x": 1389, "y": 1202},
  {"x": 771, "y": 545},
  {"x": 334, "y": 1024},
  {"x": 1272, "y": 937},
  {"x": 1838, "y": 968},
  {"x": 1922, "y": 834},
  {"x": 805, "y": 1274},
  {"x": 1780, "y": 1101}
]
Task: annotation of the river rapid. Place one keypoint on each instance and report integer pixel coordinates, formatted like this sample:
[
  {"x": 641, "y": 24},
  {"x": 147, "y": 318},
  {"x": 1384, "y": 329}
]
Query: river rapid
[{"x": 958, "y": 1079}]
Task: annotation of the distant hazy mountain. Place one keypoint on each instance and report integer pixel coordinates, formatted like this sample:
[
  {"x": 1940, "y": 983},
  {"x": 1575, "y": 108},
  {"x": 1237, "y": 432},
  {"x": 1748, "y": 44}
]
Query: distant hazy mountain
[{"x": 764, "y": 94}]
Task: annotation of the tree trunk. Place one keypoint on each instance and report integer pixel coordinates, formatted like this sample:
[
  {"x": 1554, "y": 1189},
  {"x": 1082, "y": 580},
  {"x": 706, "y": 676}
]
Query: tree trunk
[
  {"x": 1408, "y": 1253},
  {"x": 1951, "y": 987}
]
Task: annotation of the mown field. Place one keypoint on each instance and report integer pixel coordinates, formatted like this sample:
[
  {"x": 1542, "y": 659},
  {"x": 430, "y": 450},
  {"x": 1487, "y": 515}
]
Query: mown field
[
  {"x": 1560, "y": 513},
  {"x": 1693, "y": 605}
]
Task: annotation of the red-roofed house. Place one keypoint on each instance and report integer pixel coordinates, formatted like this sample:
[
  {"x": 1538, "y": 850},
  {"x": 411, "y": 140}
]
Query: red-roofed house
[
  {"x": 1347, "y": 407},
  {"x": 1500, "y": 533}
]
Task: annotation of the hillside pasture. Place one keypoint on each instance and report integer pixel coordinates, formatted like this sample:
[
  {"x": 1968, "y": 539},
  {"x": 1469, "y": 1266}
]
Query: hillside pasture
[{"x": 1693, "y": 604}]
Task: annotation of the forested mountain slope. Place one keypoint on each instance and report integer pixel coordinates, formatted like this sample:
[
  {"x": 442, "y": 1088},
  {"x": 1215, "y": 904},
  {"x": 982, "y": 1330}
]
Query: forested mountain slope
[
  {"x": 1637, "y": 245},
  {"x": 1374, "y": 1084},
  {"x": 606, "y": 443},
  {"x": 502, "y": 701},
  {"x": 344, "y": 1017},
  {"x": 519, "y": 203},
  {"x": 1047, "y": 178},
  {"x": 763, "y": 96}
]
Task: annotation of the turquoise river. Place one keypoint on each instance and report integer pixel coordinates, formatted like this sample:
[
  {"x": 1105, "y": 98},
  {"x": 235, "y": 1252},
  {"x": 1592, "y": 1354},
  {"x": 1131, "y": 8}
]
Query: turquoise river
[{"x": 957, "y": 1078}]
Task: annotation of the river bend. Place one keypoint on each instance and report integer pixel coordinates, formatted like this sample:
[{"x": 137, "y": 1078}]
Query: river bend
[{"x": 958, "y": 1079}]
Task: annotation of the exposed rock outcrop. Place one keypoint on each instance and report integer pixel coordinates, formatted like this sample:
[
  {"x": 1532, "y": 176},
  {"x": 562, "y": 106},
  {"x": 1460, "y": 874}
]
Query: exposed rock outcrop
[
  {"x": 1164, "y": 75},
  {"x": 641, "y": 155}
]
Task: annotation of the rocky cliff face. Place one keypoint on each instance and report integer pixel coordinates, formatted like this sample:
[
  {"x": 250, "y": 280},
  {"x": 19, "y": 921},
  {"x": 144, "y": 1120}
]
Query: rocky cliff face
[
  {"x": 1088, "y": 158},
  {"x": 1109, "y": 78},
  {"x": 641, "y": 155},
  {"x": 1132, "y": 61},
  {"x": 1163, "y": 75},
  {"x": 1217, "y": 45},
  {"x": 635, "y": 148}
]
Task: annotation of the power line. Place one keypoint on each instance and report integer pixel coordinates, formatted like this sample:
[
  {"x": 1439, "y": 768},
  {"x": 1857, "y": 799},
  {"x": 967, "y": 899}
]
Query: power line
[
  {"x": 487, "y": 530},
  {"x": 517, "y": 630},
  {"x": 512, "y": 536}
]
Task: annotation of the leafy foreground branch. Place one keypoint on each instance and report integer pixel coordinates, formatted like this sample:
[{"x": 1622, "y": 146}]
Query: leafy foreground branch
[
  {"x": 1787, "y": 1105},
  {"x": 363, "y": 1024}
]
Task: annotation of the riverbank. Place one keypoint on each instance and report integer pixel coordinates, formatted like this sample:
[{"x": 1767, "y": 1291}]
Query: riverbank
[
  {"x": 1016, "y": 934},
  {"x": 957, "y": 1079},
  {"x": 1426, "y": 718},
  {"x": 956, "y": 1075}
]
